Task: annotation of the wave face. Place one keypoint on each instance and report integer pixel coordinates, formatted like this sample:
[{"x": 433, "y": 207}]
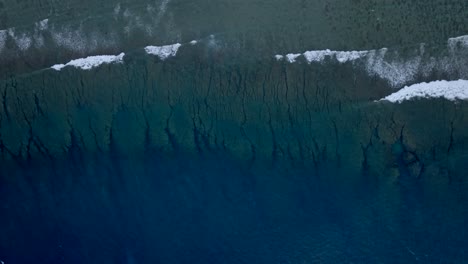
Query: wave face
[
  {"x": 396, "y": 68},
  {"x": 90, "y": 62},
  {"x": 242, "y": 132},
  {"x": 163, "y": 52}
]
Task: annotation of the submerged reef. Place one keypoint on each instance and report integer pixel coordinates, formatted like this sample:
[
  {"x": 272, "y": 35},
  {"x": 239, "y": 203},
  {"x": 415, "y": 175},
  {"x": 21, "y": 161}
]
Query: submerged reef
[{"x": 260, "y": 132}]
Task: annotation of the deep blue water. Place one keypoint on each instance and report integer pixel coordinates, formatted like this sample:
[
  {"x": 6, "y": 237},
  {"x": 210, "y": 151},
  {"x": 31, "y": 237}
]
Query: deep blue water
[{"x": 212, "y": 209}]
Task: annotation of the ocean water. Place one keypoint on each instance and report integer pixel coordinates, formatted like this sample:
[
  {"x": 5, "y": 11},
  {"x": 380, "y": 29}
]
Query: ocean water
[
  {"x": 233, "y": 132},
  {"x": 208, "y": 209}
]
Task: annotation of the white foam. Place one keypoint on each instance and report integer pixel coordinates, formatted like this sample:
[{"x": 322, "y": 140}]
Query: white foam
[
  {"x": 461, "y": 40},
  {"x": 91, "y": 62},
  {"x": 316, "y": 55},
  {"x": 38, "y": 35},
  {"x": 291, "y": 57},
  {"x": 345, "y": 56},
  {"x": 320, "y": 55},
  {"x": 279, "y": 57},
  {"x": 340, "y": 56},
  {"x": 69, "y": 39},
  {"x": 76, "y": 40},
  {"x": 43, "y": 24},
  {"x": 450, "y": 90},
  {"x": 396, "y": 71},
  {"x": 163, "y": 52},
  {"x": 193, "y": 42},
  {"x": 22, "y": 40}
]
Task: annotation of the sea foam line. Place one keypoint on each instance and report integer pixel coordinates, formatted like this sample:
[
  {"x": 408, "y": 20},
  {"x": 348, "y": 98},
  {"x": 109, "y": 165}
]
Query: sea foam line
[
  {"x": 390, "y": 65},
  {"x": 450, "y": 90},
  {"x": 91, "y": 62},
  {"x": 164, "y": 52},
  {"x": 320, "y": 55},
  {"x": 461, "y": 40}
]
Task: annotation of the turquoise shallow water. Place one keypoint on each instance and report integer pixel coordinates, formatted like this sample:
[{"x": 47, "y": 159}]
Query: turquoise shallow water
[{"x": 222, "y": 152}]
